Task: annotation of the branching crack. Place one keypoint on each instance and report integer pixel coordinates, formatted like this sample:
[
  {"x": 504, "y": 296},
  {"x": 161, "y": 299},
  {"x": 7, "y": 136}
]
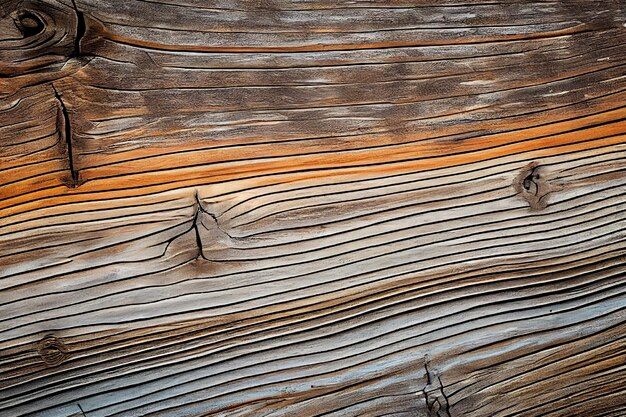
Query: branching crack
[
  {"x": 213, "y": 216},
  {"x": 196, "y": 222},
  {"x": 65, "y": 131},
  {"x": 217, "y": 223},
  {"x": 437, "y": 402}
]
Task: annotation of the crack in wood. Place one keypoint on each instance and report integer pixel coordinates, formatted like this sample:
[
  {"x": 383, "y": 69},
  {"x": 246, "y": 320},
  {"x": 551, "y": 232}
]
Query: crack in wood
[
  {"x": 196, "y": 218},
  {"x": 370, "y": 196},
  {"x": 212, "y": 216},
  {"x": 80, "y": 29},
  {"x": 196, "y": 221},
  {"x": 437, "y": 402},
  {"x": 65, "y": 131}
]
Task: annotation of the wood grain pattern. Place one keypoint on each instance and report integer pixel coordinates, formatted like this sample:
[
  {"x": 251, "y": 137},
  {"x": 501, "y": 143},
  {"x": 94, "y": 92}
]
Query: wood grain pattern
[{"x": 312, "y": 208}]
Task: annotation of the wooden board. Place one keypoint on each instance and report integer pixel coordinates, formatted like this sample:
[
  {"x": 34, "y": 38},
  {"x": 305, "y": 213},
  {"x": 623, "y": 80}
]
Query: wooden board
[{"x": 312, "y": 208}]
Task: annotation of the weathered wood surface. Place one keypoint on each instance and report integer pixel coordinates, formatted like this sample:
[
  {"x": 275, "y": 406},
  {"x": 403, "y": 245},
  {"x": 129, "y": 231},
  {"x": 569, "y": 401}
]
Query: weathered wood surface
[{"x": 307, "y": 208}]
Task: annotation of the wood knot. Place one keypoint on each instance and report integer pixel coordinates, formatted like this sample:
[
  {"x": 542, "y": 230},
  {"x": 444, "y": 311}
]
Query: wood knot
[
  {"x": 51, "y": 31},
  {"x": 29, "y": 23},
  {"x": 52, "y": 350},
  {"x": 531, "y": 185}
]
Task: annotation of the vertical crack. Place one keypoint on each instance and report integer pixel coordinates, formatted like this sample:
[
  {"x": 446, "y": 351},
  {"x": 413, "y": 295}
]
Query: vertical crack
[
  {"x": 196, "y": 218},
  {"x": 80, "y": 29},
  {"x": 446, "y": 403},
  {"x": 65, "y": 131},
  {"x": 81, "y": 409}
]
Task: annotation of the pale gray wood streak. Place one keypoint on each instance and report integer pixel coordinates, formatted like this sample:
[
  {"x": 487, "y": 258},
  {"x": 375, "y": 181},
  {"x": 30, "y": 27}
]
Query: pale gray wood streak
[{"x": 310, "y": 208}]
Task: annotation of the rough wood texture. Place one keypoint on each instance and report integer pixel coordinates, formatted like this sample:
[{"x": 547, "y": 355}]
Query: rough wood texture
[{"x": 312, "y": 208}]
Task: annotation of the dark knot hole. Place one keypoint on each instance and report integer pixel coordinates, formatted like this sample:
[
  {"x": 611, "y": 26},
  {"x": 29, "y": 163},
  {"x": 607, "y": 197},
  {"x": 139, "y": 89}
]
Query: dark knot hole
[
  {"x": 530, "y": 182},
  {"x": 30, "y": 24}
]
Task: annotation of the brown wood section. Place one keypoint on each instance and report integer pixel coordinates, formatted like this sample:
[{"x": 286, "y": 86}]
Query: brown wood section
[{"x": 312, "y": 208}]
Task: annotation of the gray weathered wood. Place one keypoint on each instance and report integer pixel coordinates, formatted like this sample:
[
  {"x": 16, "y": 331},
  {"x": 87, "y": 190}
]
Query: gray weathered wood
[{"x": 307, "y": 208}]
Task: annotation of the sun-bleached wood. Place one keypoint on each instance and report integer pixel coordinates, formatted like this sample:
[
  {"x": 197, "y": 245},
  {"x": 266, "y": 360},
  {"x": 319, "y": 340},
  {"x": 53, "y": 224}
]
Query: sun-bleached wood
[{"x": 312, "y": 208}]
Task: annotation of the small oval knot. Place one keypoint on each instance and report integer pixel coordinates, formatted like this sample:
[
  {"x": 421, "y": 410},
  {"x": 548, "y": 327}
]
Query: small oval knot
[
  {"x": 30, "y": 24},
  {"x": 52, "y": 350}
]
